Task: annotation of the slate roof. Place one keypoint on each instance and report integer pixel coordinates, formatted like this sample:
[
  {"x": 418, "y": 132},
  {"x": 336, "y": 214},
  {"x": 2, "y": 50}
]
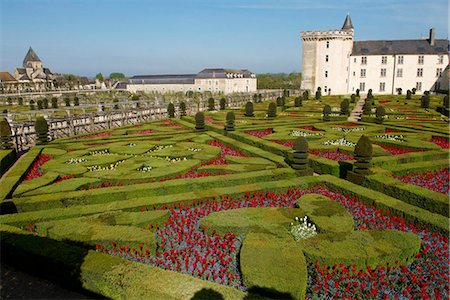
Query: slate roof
[
  {"x": 47, "y": 71},
  {"x": 21, "y": 70},
  {"x": 383, "y": 47},
  {"x": 5, "y": 76},
  {"x": 163, "y": 79},
  {"x": 222, "y": 73},
  {"x": 347, "y": 23},
  {"x": 31, "y": 56}
]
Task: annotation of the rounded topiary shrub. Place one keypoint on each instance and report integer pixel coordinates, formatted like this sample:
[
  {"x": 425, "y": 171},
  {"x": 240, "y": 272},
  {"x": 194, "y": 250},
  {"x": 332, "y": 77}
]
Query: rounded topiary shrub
[
  {"x": 379, "y": 114},
  {"x": 363, "y": 155},
  {"x": 20, "y": 101},
  {"x": 54, "y": 102},
  {"x": 41, "y": 128},
  {"x": 67, "y": 101},
  {"x": 425, "y": 101},
  {"x": 200, "y": 121},
  {"x": 39, "y": 104},
  {"x": 272, "y": 110},
  {"x": 32, "y": 106},
  {"x": 76, "y": 101},
  {"x": 279, "y": 101},
  {"x": 353, "y": 98},
  {"x": 319, "y": 93},
  {"x": 229, "y": 126},
  {"x": 223, "y": 103},
  {"x": 298, "y": 101},
  {"x": 182, "y": 109},
  {"x": 326, "y": 113},
  {"x": 5, "y": 134},
  {"x": 408, "y": 94},
  {"x": 45, "y": 103},
  {"x": 367, "y": 109},
  {"x": 305, "y": 95},
  {"x": 211, "y": 104},
  {"x": 249, "y": 109},
  {"x": 171, "y": 110},
  {"x": 345, "y": 105}
]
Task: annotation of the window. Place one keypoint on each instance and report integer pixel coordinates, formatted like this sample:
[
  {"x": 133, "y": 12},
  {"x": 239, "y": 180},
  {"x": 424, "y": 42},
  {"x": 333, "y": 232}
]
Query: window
[
  {"x": 399, "y": 72},
  {"x": 383, "y": 73},
  {"x": 364, "y": 60},
  {"x": 326, "y": 73},
  {"x": 354, "y": 73},
  {"x": 382, "y": 86},
  {"x": 363, "y": 72},
  {"x": 328, "y": 44},
  {"x": 400, "y": 60},
  {"x": 419, "y": 72},
  {"x": 354, "y": 60},
  {"x": 384, "y": 60},
  {"x": 362, "y": 86},
  {"x": 326, "y": 89},
  {"x": 438, "y": 72},
  {"x": 326, "y": 58},
  {"x": 420, "y": 61},
  {"x": 419, "y": 86},
  {"x": 441, "y": 59}
]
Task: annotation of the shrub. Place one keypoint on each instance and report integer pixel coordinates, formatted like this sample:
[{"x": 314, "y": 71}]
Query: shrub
[
  {"x": 369, "y": 94},
  {"x": 200, "y": 121},
  {"x": 171, "y": 110},
  {"x": 326, "y": 113},
  {"x": 39, "y": 104},
  {"x": 20, "y": 101},
  {"x": 298, "y": 101},
  {"x": 353, "y": 98},
  {"x": 54, "y": 102},
  {"x": 300, "y": 157},
  {"x": 357, "y": 92},
  {"x": 76, "y": 101},
  {"x": 182, "y": 109},
  {"x": 272, "y": 110},
  {"x": 319, "y": 93},
  {"x": 408, "y": 95},
  {"x": 425, "y": 101},
  {"x": 363, "y": 155},
  {"x": 379, "y": 114},
  {"x": 279, "y": 101},
  {"x": 5, "y": 134},
  {"x": 367, "y": 109},
  {"x": 67, "y": 101},
  {"x": 32, "y": 107},
  {"x": 211, "y": 104},
  {"x": 41, "y": 128},
  {"x": 135, "y": 97},
  {"x": 45, "y": 103},
  {"x": 229, "y": 126},
  {"x": 223, "y": 103},
  {"x": 305, "y": 95},
  {"x": 249, "y": 109},
  {"x": 189, "y": 94},
  {"x": 345, "y": 107}
]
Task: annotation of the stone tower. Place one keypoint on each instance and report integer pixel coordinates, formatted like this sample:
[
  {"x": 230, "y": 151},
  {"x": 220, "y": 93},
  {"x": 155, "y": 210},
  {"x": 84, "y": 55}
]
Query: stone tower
[
  {"x": 31, "y": 60},
  {"x": 325, "y": 59}
]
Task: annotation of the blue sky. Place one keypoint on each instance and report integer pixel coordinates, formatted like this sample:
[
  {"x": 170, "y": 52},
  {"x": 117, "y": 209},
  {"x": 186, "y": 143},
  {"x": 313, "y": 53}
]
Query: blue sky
[{"x": 85, "y": 37}]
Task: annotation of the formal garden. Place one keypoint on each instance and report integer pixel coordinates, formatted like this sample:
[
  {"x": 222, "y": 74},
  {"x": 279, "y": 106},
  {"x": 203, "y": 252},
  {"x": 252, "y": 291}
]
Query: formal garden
[{"x": 284, "y": 199}]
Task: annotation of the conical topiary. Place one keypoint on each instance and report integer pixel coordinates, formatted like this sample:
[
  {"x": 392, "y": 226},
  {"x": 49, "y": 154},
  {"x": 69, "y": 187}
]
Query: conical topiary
[
  {"x": 319, "y": 93},
  {"x": 279, "y": 101},
  {"x": 76, "y": 101},
  {"x": 200, "y": 121},
  {"x": 223, "y": 103},
  {"x": 249, "y": 109},
  {"x": 425, "y": 101},
  {"x": 367, "y": 109},
  {"x": 171, "y": 110},
  {"x": 182, "y": 109},
  {"x": 54, "y": 102},
  {"x": 379, "y": 114},
  {"x": 32, "y": 106},
  {"x": 5, "y": 134},
  {"x": 272, "y": 110},
  {"x": 363, "y": 156},
  {"x": 298, "y": 101},
  {"x": 305, "y": 95},
  {"x": 299, "y": 160},
  {"x": 408, "y": 95},
  {"x": 345, "y": 107},
  {"x": 41, "y": 128},
  {"x": 326, "y": 113},
  {"x": 45, "y": 103},
  {"x": 211, "y": 104},
  {"x": 229, "y": 126}
]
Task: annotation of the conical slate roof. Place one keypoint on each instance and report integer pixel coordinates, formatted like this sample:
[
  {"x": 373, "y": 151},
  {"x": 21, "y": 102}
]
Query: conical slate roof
[
  {"x": 31, "y": 56},
  {"x": 347, "y": 24}
]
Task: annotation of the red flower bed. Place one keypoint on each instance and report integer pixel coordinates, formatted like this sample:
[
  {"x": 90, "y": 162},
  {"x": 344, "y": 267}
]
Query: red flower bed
[
  {"x": 142, "y": 132},
  {"x": 348, "y": 125},
  {"x": 310, "y": 128},
  {"x": 260, "y": 133},
  {"x": 36, "y": 168},
  {"x": 171, "y": 124},
  {"x": 209, "y": 120},
  {"x": 398, "y": 150},
  {"x": 334, "y": 154},
  {"x": 437, "y": 181},
  {"x": 185, "y": 248},
  {"x": 65, "y": 177},
  {"x": 97, "y": 136},
  {"x": 384, "y": 101},
  {"x": 288, "y": 144},
  {"x": 440, "y": 141},
  {"x": 389, "y": 130}
]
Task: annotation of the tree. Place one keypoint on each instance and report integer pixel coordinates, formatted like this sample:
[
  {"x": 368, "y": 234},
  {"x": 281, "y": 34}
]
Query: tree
[
  {"x": 76, "y": 101},
  {"x": 249, "y": 109},
  {"x": 99, "y": 77},
  {"x": 39, "y": 104},
  {"x": 408, "y": 95},
  {"x": 54, "y": 102},
  {"x": 272, "y": 110},
  {"x": 32, "y": 107},
  {"x": 319, "y": 93},
  {"x": 200, "y": 121},
  {"x": 345, "y": 107},
  {"x": 41, "y": 128},
  {"x": 298, "y": 101},
  {"x": 5, "y": 134},
  {"x": 278, "y": 81},
  {"x": 379, "y": 114},
  {"x": 171, "y": 110},
  {"x": 229, "y": 126},
  {"x": 116, "y": 76},
  {"x": 223, "y": 103},
  {"x": 299, "y": 160},
  {"x": 45, "y": 103},
  {"x": 182, "y": 109},
  {"x": 326, "y": 113},
  {"x": 211, "y": 104},
  {"x": 67, "y": 101},
  {"x": 20, "y": 101}
]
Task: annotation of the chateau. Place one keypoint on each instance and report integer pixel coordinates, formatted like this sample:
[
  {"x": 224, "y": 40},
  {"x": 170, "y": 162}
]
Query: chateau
[
  {"x": 226, "y": 81},
  {"x": 337, "y": 64}
]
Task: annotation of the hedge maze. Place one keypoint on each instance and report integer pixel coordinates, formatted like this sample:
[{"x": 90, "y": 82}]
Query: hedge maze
[{"x": 225, "y": 205}]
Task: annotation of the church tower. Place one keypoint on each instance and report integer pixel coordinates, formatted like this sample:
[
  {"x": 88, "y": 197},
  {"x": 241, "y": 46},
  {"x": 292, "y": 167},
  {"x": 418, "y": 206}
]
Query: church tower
[
  {"x": 325, "y": 59},
  {"x": 31, "y": 60}
]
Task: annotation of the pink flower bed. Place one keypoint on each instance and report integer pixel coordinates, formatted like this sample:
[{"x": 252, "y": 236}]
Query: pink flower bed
[
  {"x": 333, "y": 154},
  {"x": 440, "y": 141},
  {"x": 437, "y": 181},
  {"x": 142, "y": 132},
  {"x": 288, "y": 144},
  {"x": 97, "y": 136},
  {"x": 209, "y": 120},
  {"x": 310, "y": 128},
  {"x": 259, "y": 133}
]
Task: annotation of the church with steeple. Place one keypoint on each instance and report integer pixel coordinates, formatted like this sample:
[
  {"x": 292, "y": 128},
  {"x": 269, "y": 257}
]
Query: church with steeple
[
  {"x": 339, "y": 65},
  {"x": 34, "y": 73}
]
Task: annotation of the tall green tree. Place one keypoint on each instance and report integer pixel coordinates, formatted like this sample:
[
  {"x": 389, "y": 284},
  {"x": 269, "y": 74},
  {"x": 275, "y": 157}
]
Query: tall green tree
[
  {"x": 116, "y": 76},
  {"x": 99, "y": 76}
]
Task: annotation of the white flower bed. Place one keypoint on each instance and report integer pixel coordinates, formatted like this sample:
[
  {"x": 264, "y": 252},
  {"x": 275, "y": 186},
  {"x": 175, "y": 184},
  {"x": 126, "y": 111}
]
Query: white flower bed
[
  {"x": 160, "y": 147},
  {"x": 100, "y": 152},
  {"x": 195, "y": 149},
  {"x": 302, "y": 229},
  {"x": 170, "y": 159},
  {"x": 391, "y": 137},
  {"x": 75, "y": 161},
  {"x": 145, "y": 169},
  {"x": 339, "y": 142},
  {"x": 335, "y": 109},
  {"x": 105, "y": 168},
  {"x": 303, "y": 133},
  {"x": 348, "y": 130},
  {"x": 131, "y": 145}
]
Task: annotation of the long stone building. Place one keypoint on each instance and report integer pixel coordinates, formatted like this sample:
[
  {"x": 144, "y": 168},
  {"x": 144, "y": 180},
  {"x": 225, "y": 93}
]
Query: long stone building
[
  {"x": 226, "y": 81},
  {"x": 337, "y": 64}
]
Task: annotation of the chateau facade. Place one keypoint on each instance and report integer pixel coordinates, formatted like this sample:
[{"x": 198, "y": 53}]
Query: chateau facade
[
  {"x": 337, "y": 64},
  {"x": 226, "y": 81}
]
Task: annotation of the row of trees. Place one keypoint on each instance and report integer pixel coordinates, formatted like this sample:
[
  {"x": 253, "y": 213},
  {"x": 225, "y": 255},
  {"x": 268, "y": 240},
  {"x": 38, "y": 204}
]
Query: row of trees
[{"x": 279, "y": 81}]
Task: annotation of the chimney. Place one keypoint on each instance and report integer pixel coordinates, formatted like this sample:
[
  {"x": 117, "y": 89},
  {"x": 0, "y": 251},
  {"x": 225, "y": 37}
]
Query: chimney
[{"x": 432, "y": 38}]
